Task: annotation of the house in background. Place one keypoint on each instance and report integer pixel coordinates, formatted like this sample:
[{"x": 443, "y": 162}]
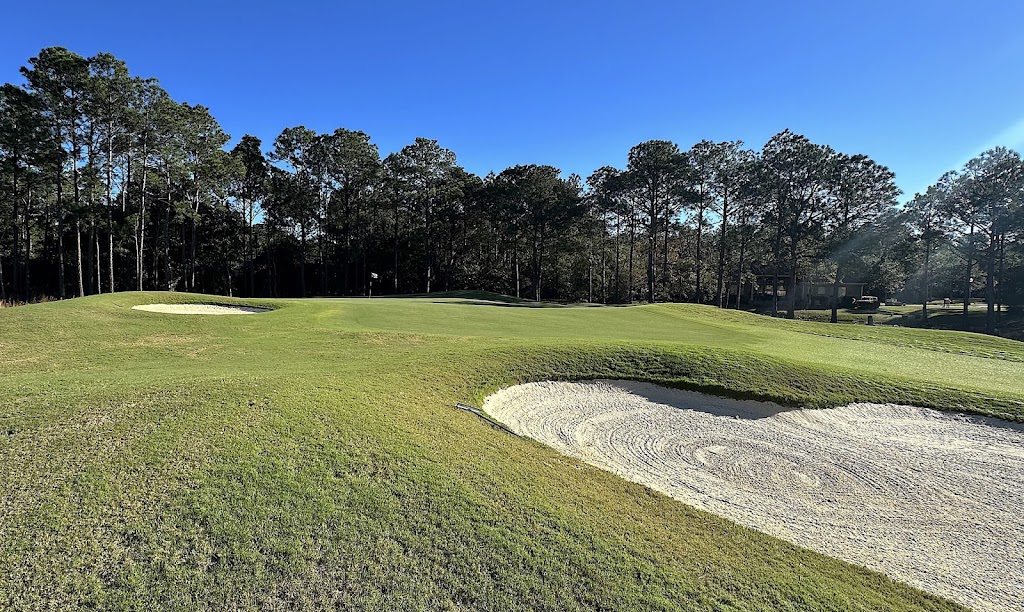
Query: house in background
[{"x": 809, "y": 294}]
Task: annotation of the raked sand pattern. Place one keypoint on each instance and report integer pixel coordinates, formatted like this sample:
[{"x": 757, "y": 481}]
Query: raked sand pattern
[{"x": 932, "y": 499}]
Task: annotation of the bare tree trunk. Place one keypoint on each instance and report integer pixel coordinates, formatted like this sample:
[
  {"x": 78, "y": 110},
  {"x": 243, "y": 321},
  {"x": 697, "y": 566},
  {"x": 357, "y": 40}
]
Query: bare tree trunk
[
  {"x": 1002, "y": 274},
  {"x": 775, "y": 271},
  {"x": 140, "y": 226},
  {"x": 15, "y": 232},
  {"x": 77, "y": 190},
  {"x": 273, "y": 268},
  {"x": 367, "y": 234},
  {"x": 926, "y": 281},
  {"x": 28, "y": 255},
  {"x": 270, "y": 282},
  {"x": 140, "y": 249},
  {"x": 363, "y": 234},
  {"x": 698, "y": 295},
  {"x": 322, "y": 237},
  {"x": 429, "y": 244},
  {"x": 194, "y": 243},
  {"x": 302, "y": 266},
  {"x": 834, "y": 318},
  {"x": 27, "y": 259},
  {"x": 156, "y": 253},
  {"x": 60, "y": 231},
  {"x": 793, "y": 260},
  {"x": 256, "y": 250},
  {"x": 990, "y": 287},
  {"x": 249, "y": 263},
  {"x": 652, "y": 242},
  {"x": 3, "y": 290},
  {"x": 618, "y": 258},
  {"x": 98, "y": 259},
  {"x": 538, "y": 246},
  {"x": 125, "y": 186},
  {"x": 397, "y": 212},
  {"x": 183, "y": 246},
  {"x": 109, "y": 205},
  {"x": 632, "y": 244},
  {"x": 167, "y": 244},
  {"x": 515, "y": 262},
  {"x": 722, "y": 250},
  {"x": 110, "y": 249},
  {"x": 590, "y": 273},
  {"x": 968, "y": 278},
  {"x": 90, "y": 256},
  {"x": 193, "y": 248},
  {"x": 739, "y": 272},
  {"x": 604, "y": 274},
  {"x": 666, "y": 271},
  {"x": 78, "y": 245}
]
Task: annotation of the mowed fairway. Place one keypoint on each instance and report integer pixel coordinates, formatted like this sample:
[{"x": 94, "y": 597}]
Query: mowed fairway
[{"x": 310, "y": 456}]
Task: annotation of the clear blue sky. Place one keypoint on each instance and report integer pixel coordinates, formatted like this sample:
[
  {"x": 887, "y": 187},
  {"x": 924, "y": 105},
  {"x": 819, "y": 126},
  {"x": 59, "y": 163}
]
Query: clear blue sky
[{"x": 919, "y": 86}]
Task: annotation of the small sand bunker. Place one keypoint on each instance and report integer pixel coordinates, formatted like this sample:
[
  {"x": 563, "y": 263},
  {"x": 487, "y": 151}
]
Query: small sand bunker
[
  {"x": 929, "y": 498},
  {"x": 200, "y": 309}
]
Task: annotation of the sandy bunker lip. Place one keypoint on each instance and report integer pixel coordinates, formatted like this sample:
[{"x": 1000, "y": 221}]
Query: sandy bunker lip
[
  {"x": 200, "y": 309},
  {"x": 929, "y": 498}
]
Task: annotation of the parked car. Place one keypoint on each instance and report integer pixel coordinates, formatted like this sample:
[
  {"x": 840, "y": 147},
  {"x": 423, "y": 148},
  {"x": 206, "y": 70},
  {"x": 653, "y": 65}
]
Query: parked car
[{"x": 867, "y": 302}]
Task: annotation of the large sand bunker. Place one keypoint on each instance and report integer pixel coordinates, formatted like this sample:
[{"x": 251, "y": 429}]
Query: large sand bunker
[
  {"x": 200, "y": 309},
  {"x": 931, "y": 499}
]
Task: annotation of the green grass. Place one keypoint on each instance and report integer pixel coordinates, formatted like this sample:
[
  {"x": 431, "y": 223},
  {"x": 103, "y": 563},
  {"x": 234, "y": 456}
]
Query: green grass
[{"x": 310, "y": 457}]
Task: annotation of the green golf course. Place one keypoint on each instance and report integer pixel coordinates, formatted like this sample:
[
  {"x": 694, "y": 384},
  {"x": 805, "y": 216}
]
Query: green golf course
[{"x": 311, "y": 456}]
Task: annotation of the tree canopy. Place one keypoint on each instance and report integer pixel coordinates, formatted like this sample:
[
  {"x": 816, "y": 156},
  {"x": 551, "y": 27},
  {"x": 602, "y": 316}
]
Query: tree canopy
[{"x": 108, "y": 184}]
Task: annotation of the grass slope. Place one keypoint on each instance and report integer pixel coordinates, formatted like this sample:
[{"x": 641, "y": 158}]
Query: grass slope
[{"x": 310, "y": 457}]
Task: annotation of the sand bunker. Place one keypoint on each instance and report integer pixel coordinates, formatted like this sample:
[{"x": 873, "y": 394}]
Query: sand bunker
[
  {"x": 929, "y": 498},
  {"x": 200, "y": 309}
]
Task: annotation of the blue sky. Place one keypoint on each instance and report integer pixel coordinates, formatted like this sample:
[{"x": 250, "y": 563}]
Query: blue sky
[{"x": 919, "y": 86}]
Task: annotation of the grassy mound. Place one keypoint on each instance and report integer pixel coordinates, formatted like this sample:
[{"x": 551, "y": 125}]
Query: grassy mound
[{"x": 310, "y": 457}]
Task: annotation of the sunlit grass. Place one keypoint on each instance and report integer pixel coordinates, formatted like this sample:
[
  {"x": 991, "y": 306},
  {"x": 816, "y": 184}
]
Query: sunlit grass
[{"x": 310, "y": 456}]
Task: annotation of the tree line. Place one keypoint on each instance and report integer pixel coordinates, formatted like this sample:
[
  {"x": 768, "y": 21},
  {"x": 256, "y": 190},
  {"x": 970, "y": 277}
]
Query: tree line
[{"x": 109, "y": 184}]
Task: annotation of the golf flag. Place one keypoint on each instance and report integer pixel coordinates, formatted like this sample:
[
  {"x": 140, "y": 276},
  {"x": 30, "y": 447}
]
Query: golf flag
[{"x": 373, "y": 275}]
